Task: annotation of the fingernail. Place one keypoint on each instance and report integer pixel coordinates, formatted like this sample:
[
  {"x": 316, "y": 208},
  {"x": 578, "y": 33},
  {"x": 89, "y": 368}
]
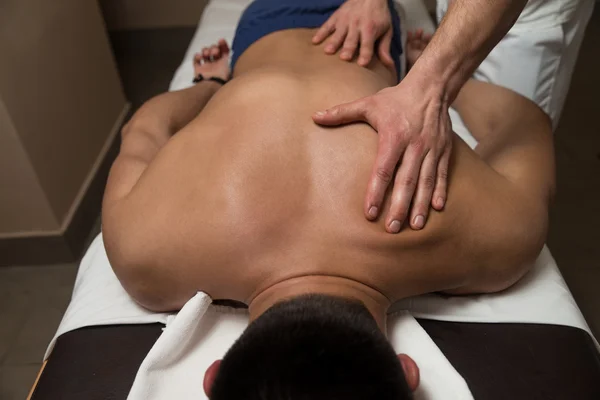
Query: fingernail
[
  {"x": 395, "y": 226},
  {"x": 440, "y": 202},
  {"x": 329, "y": 49},
  {"x": 419, "y": 222},
  {"x": 373, "y": 212},
  {"x": 320, "y": 113}
]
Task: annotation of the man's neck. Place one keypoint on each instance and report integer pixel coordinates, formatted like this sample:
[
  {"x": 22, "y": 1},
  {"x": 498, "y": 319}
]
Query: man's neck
[{"x": 374, "y": 301}]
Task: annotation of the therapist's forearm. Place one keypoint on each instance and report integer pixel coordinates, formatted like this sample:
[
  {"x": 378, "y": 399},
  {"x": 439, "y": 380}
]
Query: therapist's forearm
[{"x": 468, "y": 32}]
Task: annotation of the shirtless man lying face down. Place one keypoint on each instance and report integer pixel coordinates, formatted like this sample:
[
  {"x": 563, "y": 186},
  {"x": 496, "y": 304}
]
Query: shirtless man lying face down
[{"x": 233, "y": 190}]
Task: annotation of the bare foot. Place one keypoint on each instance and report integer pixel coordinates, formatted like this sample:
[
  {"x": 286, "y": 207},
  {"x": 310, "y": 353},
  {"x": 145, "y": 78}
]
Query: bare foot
[
  {"x": 213, "y": 61},
  {"x": 415, "y": 44}
]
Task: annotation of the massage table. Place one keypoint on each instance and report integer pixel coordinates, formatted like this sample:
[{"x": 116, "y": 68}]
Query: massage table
[{"x": 529, "y": 342}]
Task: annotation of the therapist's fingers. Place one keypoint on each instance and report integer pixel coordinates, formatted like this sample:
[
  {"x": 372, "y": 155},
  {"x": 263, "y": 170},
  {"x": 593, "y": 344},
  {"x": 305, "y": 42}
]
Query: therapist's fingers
[
  {"x": 350, "y": 44},
  {"x": 422, "y": 199},
  {"x": 343, "y": 113},
  {"x": 389, "y": 151},
  {"x": 324, "y": 31},
  {"x": 384, "y": 49},
  {"x": 440, "y": 192},
  {"x": 335, "y": 41},
  {"x": 405, "y": 185},
  {"x": 367, "y": 43}
]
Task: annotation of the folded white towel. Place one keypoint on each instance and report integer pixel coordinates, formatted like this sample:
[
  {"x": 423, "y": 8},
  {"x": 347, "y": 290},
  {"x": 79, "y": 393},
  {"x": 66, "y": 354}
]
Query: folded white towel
[{"x": 200, "y": 334}]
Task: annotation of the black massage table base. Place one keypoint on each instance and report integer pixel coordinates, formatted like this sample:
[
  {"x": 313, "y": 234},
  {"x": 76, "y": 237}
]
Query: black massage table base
[{"x": 498, "y": 361}]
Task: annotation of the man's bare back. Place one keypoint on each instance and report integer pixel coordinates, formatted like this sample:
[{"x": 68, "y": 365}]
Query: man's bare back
[{"x": 251, "y": 192}]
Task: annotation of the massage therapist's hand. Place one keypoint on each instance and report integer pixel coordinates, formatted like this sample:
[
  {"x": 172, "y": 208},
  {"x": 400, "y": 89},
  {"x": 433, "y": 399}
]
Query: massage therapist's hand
[
  {"x": 213, "y": 61},
  {"x": 414, "y": 131},
  {"x": 359, "y": 23}
]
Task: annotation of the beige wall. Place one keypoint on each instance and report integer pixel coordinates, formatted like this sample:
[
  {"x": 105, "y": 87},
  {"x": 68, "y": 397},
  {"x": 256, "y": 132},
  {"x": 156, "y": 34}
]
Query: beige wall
[
  {"x": 143, "y": 14},
  {"x": 140, "y": 14},
  {"x": 22, "y": 200},
  {"x": 61, "y": 98}
]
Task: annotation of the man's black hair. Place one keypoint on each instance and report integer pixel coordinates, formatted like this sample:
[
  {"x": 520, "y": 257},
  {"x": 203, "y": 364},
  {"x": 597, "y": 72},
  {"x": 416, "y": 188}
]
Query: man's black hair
[{"x": 312, "y": 347}]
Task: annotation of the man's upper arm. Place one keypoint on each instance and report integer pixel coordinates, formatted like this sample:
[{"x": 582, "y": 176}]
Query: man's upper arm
[
  {"x": 505, "y": 188},
  {"x": 138, "y": 148},
  {"x": 514, "y": 135},
  {"x": 141, "y": 139},
  {"x": 149, "y": 130}
]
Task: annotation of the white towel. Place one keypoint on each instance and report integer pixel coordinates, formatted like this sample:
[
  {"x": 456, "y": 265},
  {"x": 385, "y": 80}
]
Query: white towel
[{"x": 200, "y": 334}]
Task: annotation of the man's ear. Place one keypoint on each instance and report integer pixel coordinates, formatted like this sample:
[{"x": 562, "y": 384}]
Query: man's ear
[
  {"x": 411, "y": 371},
  {"x": 209, "y": 377}
]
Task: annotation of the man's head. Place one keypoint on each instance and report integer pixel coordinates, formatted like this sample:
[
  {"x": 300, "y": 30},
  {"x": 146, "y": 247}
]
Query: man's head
[{"x": 312, "y": 347}]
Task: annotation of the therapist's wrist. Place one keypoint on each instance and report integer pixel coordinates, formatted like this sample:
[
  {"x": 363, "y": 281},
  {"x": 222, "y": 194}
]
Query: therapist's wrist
[
  {"x": 429, "y": 84},
  {"x": 440, "y": 73}
]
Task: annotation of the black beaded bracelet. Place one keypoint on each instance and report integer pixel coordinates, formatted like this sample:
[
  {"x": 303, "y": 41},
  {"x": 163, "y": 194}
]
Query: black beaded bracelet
[{"x": 201, "y": 78}]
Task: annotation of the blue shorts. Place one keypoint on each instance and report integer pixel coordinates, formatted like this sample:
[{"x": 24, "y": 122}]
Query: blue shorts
[{"x": 263, "y": 17}]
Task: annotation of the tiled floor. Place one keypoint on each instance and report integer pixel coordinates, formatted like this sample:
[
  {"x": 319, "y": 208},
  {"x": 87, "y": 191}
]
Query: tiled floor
[{"x": 32, "y": 299}]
